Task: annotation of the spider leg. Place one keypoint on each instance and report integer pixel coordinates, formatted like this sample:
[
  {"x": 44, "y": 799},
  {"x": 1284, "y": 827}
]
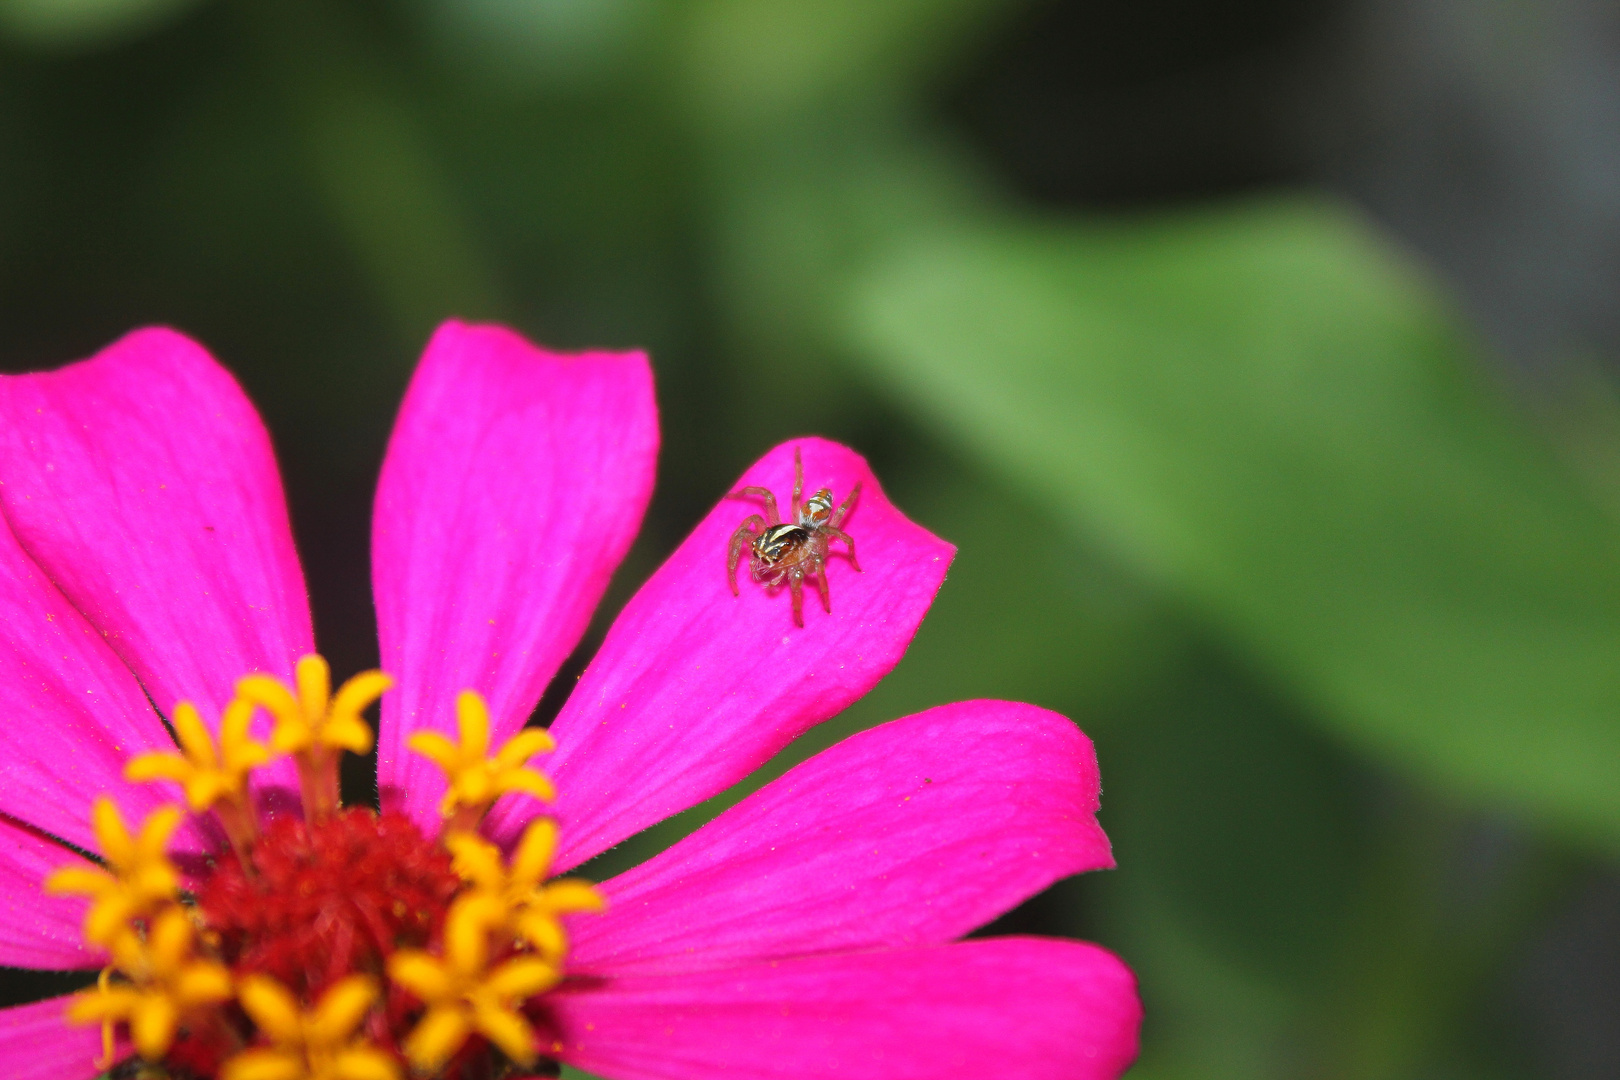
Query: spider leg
[
  {"x": 837, "y": 518},
  {"x": 798, "y": 482},
  {"x": 849, "y": 542},
  {"x": 821, "y": 586},
  {"x": 755, "y": 492},
  {"x": 740, "y": 539},
  {"x": 796, "y": 587}
]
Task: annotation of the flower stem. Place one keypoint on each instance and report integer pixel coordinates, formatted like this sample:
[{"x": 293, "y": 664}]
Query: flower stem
[
  {"x": 241, "y": 828},
  {"x": 318, "y": 783}
]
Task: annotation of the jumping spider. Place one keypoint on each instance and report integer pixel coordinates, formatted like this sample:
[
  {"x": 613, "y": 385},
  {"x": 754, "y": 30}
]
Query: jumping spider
[{"x": 793, "y": 550}]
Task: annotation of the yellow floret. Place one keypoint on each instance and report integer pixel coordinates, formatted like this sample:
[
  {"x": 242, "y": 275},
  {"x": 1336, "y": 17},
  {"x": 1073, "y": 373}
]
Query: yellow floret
[
  {"x": 214, "y": 778},
  {"x": 463, "y": 995},
  {"x": 320, "y": 1044},
  {"x": 207, "y": 773},
  {"x": 313, "y": 724},
  {"x": 314, "y": 717},
  {"x": 534, "y": 906},
  {"x": 139, "y": 879},
  {"x": 476, "y": 777},
  {"x": 166, "y": 983}
]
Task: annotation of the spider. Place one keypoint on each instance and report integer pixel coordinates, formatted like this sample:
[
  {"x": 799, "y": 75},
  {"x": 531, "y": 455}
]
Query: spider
[{"x": 791, "y": 550}]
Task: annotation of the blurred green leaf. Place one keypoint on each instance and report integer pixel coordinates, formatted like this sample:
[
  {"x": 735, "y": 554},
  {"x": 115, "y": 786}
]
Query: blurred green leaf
[
  {"x": 392, "y": 201},
  {"x": 1207, "y": 1018},
  {"x": 749, "y": 61},
  {"x": 1266, "y": 408},
  {"x": 544, "y": 42},
  {"x": 367, "y": 154},
  {"x": 77, "y": 24},
  {"x": 1244, "y": 820},
  {"x": 571, "y": 1073},
  {"x": 1027, "y": 614}
]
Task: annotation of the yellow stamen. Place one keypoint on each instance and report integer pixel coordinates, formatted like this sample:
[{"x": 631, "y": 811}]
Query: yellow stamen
[
  {"x": 313, "y": 723},
  {"x": 462, "y": 995},
  {"x": 104, "y": 984},
  {"x": 320, "y": 1044},
  {"x": 213, "y": 778},
  {"x": 167, "y": 982},
  {"x": 476, "y": 778},
  {"x": 534, "y": 907},
  {"x": 138, "y": 881}
]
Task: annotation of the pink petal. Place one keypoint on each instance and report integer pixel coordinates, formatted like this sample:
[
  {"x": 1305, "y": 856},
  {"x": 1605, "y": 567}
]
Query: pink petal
[
  {"x": 1013, "y": 1008},
  {"x": 73, "y": 713},
  {"x": 912, "y": 833},
  {"x": 37, "y": 1043},
  {"x": 143, "y": 483},
  {"x": 515, "y": 481},
  {"x": 694, "y": 688},
  {"x": 38, "y": 930}
]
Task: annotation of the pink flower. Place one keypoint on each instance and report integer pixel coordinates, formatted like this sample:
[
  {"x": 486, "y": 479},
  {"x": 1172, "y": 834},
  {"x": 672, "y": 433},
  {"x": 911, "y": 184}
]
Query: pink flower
[{"x": 811, "y": 929}]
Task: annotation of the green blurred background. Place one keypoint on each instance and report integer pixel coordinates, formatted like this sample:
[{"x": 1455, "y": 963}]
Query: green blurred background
[{"x": 1257, "y": 355}]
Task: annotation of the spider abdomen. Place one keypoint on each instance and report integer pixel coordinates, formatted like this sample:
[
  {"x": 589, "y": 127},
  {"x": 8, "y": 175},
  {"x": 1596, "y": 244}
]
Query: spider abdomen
[{"x": 782, "y": 545}]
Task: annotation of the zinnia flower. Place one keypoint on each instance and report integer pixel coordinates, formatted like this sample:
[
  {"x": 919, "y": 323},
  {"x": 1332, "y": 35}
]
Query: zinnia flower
[{"x": 272, "y": 934}]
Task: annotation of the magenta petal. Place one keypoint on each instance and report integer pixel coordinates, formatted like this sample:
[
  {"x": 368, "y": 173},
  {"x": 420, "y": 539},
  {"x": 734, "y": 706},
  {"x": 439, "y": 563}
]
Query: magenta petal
[
  {"x": 142, "y": 481},
  {"x": 37, "y": 1043},
  {"x": 73, "y": 714},
  {"x": 38, "y": 930},
  {"x": 515, "y": 482},
  {"x": 912, "y": 833},
  {"x": 694, "y": 688},
  {"x": 1013, "y": 1008}
]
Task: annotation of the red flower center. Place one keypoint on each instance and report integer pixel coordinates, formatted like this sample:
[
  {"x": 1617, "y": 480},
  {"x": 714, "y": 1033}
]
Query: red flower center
[
  {"x": 328, "y": 900},
  {"x": 336, "y": 944},
  {"x": 318, "y": 903}
]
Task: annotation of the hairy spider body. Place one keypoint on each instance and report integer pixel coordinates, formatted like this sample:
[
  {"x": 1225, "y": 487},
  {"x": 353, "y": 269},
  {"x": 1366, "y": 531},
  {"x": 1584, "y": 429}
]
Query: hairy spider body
[
  {"x": 795, "y": 549},
  {"x": 778, "y": 545}
]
